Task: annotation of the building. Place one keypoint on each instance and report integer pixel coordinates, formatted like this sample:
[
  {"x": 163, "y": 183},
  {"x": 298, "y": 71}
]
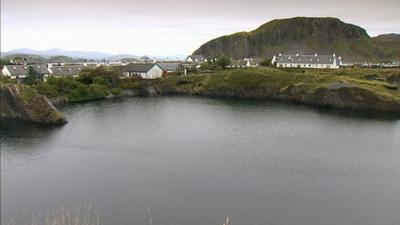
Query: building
[
  {"x": 307, "y": 61},
  {"x": 15, "y": 71},
  {"x": 146, "y": 71},
  {"x": 241, "y": 63},
  {"x": 19, "y": 61},
  {"x": 22, "y": 71},
  {"x": 172, "y": 68},
  {"x": 196, "y": 58},
  {"x": 40, "y": 69},
  {"x": 66, "y": 71}
]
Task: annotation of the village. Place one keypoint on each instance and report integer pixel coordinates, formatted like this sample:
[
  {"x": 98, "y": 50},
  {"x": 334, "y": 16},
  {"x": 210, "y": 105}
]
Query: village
[{"x": 148, "y": 68}]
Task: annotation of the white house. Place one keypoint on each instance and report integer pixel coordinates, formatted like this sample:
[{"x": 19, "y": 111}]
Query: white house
[
  {"x": 66, "y": 71},
  {"x": 307, "y": 61},
  {"x": 146, "y": 71},
  {"x": 172, "y": 67},
  {"x": 196, "y": 58},
  {"x": 15, "y": 71},
  {"x": 22, "y": 71},
  {"x": 240, "y": 63}
]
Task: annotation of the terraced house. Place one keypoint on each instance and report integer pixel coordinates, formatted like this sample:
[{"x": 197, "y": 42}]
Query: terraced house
[
  {"x": 307, "y": 61},
  {"x": 66, "y": 71},
  {"x": 22, "y": 71}
]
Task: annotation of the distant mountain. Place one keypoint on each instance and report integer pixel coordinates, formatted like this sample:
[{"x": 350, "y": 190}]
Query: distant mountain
[
  {"x": 64, "y": 55},
  {"x": 302, "y": 35},
  {"x": 60, "y": 52}
]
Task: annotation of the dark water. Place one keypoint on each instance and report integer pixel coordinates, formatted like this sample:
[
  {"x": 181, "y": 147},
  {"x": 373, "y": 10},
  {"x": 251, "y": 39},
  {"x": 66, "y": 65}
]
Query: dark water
[{"x": 197, "y": 161}]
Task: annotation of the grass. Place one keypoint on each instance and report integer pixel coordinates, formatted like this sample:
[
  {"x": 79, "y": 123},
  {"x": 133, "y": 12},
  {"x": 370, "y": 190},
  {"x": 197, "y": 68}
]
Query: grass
[
  {"x": 308, "y": 86},
  {"x": 27, "y": 93},
  {"x": 85, "y": 215}
]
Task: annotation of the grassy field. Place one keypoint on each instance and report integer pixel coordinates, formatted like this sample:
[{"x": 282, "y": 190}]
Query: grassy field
[{"x": 376, "y": 89}]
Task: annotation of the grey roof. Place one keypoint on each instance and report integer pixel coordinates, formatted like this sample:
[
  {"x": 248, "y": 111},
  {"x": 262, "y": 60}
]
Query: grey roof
[
  {"x": 196, "y": 57},
  {"x": 40, "y": 68},
  {"x": 17, "y": 70},
  {"x": 169, "y": 66},
  {"x": 307, "y": 59},
  {"x": 138, "y": 67},
  {"x": 66, "y": 70}
]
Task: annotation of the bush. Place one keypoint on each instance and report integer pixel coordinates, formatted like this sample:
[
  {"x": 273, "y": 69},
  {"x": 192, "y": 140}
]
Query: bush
[
  {"x": 97, "y": 91},
  {"x": 100, "y": 81},
  {"x": 80, "y": 93},
  {"x": 87, "y": 76},
  {"x": 63, "y": 84},
  {"x": 47, "y": 90},
  {"x": 116, "y": 91},
  {"x": 129, "y": 83},
  {"x": 223, "y": 62},
  {"x": 86, "y": 93},
  {"x": 33, "y": 77},
  {"x": 266, "y": 62}
]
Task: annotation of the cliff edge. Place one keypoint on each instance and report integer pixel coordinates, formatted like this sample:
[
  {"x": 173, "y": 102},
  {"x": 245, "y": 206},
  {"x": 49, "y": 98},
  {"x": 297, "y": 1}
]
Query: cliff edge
[{"x": 20, "y": 102}]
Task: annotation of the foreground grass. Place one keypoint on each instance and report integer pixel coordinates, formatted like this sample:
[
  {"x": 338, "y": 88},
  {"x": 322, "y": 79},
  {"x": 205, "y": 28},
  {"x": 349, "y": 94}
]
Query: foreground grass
[{"x": 85, "y": 215}]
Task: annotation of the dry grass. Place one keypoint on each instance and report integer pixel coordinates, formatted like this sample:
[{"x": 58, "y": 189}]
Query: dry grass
[{"x": 85, "y": 215}]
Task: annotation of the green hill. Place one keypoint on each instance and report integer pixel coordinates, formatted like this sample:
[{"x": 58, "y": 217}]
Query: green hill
[
  {"x": 390, "y": 43},
  {"x": 299, "y": 35}
]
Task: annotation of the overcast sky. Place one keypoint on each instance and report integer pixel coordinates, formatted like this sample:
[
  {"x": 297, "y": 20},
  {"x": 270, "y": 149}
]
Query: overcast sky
[{"x": 167, "y": 27}]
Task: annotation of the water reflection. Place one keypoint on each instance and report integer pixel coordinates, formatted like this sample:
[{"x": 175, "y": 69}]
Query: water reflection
[{"x": 197, "y": 160}]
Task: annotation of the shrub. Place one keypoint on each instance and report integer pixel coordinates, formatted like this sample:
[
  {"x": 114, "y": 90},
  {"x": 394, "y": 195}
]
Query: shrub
[
  {"x": 80, "y": 93},
  {"x": 63, "y": 84},
  {"x": 47, "y": 89},
  {"x": 129, "y": 83},
  {"x": 100, "y": 81},
  {"x": 87, "y": 93},
  {"x": 97, "y": 91},
  {"x": 266, "y": 62},
  {"x": 223, "y": 62},
  {"x": 87, "y": 76},
  {"x": 116, "y": 91}
]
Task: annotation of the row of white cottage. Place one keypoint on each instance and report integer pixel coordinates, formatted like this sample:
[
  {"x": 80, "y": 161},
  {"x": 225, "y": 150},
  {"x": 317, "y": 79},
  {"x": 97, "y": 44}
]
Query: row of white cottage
[
  {"x": 307, "y": 61},
  {"x": 285, "y": 61},
  {"x": 144, "y": 70}
]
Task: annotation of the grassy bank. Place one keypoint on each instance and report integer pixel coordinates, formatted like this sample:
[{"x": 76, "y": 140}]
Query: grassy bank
[{"x": 363, "y": 89}]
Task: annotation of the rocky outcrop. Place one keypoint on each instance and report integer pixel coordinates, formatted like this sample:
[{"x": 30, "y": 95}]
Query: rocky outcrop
[{"x": 20, "y": 102}]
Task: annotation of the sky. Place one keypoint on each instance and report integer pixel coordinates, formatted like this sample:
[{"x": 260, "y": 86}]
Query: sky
[{"x": 167, "y": 27}]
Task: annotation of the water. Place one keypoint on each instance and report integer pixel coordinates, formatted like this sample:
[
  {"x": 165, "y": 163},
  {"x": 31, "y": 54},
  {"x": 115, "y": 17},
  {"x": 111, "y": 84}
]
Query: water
[{"x": 197, "y": 161}]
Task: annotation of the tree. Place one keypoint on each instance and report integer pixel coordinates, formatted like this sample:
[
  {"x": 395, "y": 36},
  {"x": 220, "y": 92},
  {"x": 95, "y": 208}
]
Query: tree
[
  {"x": 33, "y": 77},
  {"x": 266, "y": 62},
  {"x": 223, "y": 62}
]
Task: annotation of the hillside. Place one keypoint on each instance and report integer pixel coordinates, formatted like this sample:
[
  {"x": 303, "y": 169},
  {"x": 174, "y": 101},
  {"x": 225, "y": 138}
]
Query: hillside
[
  {"x": 299, "y": 35},
  {"x": 390, "y": 43}
]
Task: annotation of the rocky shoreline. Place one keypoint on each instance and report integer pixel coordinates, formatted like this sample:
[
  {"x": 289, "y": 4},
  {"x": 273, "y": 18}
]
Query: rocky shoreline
[
  {"x": 21, "y": 102},
  {"x": 341, "y": 94}
]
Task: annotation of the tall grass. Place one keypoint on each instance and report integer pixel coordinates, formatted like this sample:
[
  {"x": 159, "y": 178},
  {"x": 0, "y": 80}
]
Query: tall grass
[{"x": 85, "y": 215}]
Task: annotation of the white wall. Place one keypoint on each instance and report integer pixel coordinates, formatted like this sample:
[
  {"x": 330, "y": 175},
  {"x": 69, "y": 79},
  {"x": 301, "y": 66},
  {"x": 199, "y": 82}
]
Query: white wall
[
  {"x": 318, "y": 66},
  {"x": 153, "y": 73},
  {"x": 5, "y": 71}
]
